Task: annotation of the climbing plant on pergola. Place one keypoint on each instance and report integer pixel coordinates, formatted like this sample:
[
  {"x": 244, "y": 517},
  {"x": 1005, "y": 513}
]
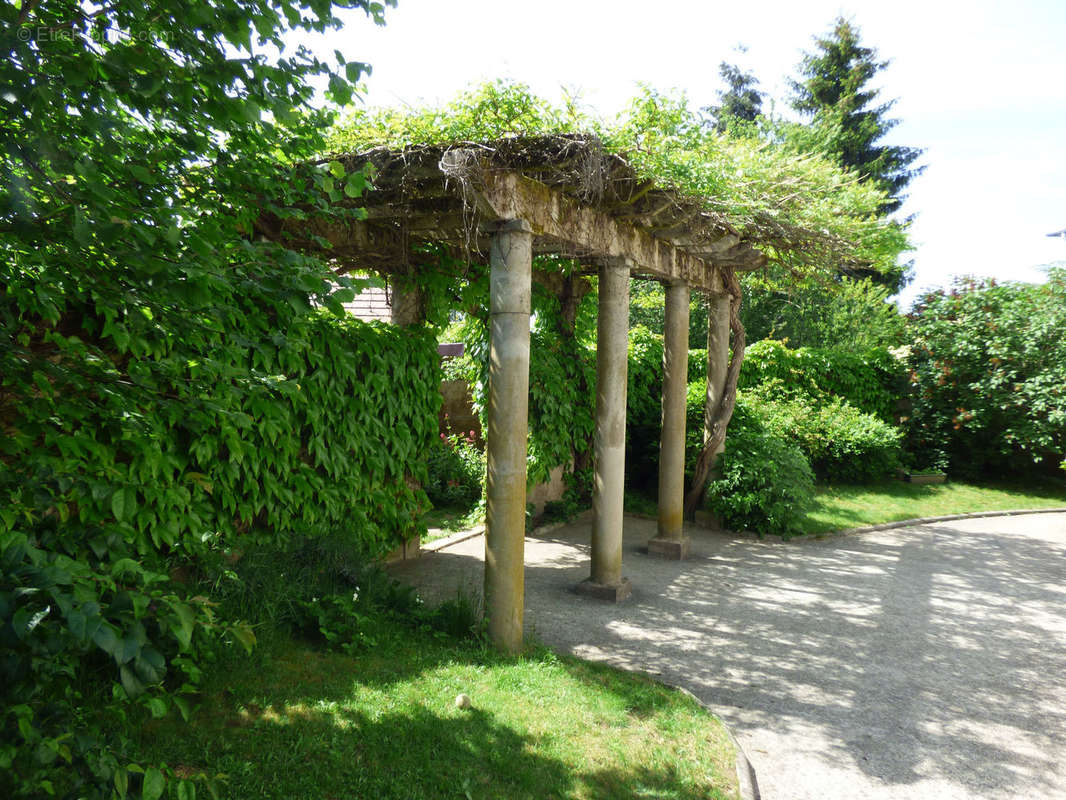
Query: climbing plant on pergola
[{"x": 504, "y": 175}]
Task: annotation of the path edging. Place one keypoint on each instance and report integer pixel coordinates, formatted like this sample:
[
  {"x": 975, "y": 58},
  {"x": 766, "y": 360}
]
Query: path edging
[
  {"x": 477, "y": 530},
  {"x": 748, "y": 783},
  {"x": 455, "y": 538},
  {"x": 906, "y": 523}
]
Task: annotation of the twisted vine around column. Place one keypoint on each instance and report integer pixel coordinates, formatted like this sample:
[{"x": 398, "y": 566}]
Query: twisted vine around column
[{"x": 723, "y": 413}]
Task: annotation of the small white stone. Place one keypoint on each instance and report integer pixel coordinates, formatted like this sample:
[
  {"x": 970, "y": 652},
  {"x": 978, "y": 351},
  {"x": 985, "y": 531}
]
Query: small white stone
[{"x": 462, "y": 701}]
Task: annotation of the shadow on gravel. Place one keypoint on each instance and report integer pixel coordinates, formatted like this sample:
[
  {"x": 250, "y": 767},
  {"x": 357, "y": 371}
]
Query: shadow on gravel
[{"x": 930, "y": 652}]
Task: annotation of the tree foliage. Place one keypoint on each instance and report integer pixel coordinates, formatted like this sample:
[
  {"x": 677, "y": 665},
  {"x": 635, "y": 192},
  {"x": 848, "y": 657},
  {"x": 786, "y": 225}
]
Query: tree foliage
[
  {"x": 835, "y": 89},
  {"x": 167, "y": 382},
  {"x": 810, "y": 214},
  {"x": 872, "y": 381},
  {"x": 647, "y": 308},
  {"x": 841, "y": 312},
  {"x": 739, "y": 101},
  {"x": 988, "y": 368}
]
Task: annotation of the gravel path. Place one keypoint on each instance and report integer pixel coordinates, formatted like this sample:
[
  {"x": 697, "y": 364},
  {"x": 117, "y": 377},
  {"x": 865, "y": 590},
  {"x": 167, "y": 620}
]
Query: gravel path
[{"x": 922, "y": 662}]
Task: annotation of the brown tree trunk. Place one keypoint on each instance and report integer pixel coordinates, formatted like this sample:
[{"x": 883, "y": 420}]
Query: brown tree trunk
[{"x": 724, "y": 412}]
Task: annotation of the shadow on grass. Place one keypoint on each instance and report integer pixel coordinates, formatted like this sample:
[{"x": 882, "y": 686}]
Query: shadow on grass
[
  {"x": 293, "y": 723},
  {"x": 287, "y": 750}
]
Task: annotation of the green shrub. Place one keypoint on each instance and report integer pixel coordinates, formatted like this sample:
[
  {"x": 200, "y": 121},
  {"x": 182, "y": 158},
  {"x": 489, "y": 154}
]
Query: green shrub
[
  {"x": 644, "y": 378},
  {"x": 130, "y": 458},
  {"x": 872, "y": 381},
  {"x": 643, "y": 408},
  {"x": 167, "y": 387},
  {"x": 695, "y": 401},
  {"x": 765, "y": 483},
  {"x": 697, "y": 364},
  {"x": 455, "y": 468},
  {"x": 988, "y": 367},
  {"x": 840, "y": 442},
  {"x": 333, "y": 595}
]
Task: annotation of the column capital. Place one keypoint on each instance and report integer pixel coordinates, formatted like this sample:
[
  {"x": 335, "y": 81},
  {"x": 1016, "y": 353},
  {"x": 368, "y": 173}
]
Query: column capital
[
  {"x": 617, "y": 263},
  {"x": 511, "y": 256}
]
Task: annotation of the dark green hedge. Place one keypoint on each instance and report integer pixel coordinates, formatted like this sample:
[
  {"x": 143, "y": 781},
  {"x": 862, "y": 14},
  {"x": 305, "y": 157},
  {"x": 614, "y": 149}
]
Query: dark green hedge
[{"x": 841, "y": 443}]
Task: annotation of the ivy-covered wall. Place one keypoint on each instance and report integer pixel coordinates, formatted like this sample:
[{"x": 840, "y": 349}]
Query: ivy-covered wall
[
  {"x": 562, "y": 384},
  {"x": 133, "y": 457},
  {"x": 310, "y": 428}
]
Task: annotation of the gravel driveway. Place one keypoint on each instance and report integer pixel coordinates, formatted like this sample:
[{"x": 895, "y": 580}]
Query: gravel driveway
[{"x": 922, "y": 662}]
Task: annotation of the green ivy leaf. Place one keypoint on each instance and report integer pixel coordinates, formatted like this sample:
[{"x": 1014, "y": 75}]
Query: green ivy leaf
[
  {"x": 354, "y": 71},
  {"x": 185, "y": 619},
  {"x": 154, "y": 784},
  {"x": 106, "y": 639},
  {"x": 121, "y": 780},
  {"x": 355, "y": 185},
  {"x": 133, "y": 686},
  {"x": 183, "y": 707},
  {"x": 157, "y": 706},
  {"x": 124, "y": 503}
]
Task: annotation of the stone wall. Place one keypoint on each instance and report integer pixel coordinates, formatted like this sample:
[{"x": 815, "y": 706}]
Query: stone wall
[{"x": 457, "y": 410}]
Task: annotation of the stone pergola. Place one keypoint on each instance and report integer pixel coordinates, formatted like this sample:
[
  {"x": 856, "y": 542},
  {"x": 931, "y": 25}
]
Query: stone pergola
[{"x": 563, "y": 195}]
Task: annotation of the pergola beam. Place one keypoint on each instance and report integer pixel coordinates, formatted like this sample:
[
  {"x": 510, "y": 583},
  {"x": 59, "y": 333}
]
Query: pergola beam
[{"x": 506, "y": 194}]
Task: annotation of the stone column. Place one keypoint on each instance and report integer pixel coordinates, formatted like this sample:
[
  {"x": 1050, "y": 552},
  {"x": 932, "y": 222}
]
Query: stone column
[
  {"x": 670, "y": 541},
  {"x": 612, "y": 340},
  {"x": 717, "y": 357},
  {"x": 511, "y": 260},
  {"x": 406, "y": 309}
]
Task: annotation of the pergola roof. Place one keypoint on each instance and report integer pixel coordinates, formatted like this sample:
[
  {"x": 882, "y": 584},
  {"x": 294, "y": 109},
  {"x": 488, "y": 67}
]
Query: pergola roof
[{"x": 580, "y": 201}]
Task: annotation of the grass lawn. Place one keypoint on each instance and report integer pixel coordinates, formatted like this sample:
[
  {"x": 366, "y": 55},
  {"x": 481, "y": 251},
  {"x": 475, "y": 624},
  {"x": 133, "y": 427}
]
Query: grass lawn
[
  {"x": 841, "y": 507},
  {"x": 292, "y": 722},
  {"x": 446, "y": 520}
]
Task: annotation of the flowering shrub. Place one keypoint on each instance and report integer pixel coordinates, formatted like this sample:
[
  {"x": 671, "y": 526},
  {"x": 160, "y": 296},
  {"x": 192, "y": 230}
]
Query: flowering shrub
[{"x": 988, "y": 370}]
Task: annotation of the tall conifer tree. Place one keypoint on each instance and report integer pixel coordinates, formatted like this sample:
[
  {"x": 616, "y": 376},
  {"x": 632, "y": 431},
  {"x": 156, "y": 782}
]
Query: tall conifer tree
[
  {"x": 835, "y": 90},
  {"x": 741, "y": 100}
]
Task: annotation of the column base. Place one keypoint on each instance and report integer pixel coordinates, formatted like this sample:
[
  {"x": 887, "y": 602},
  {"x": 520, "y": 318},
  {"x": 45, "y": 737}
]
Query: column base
[
  {"x": 614, "y": 593},
  {"x": 674, "y": 549}
]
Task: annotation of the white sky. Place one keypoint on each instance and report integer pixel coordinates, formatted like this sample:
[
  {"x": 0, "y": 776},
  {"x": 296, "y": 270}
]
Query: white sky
[{"x": 981, "y": 86}]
